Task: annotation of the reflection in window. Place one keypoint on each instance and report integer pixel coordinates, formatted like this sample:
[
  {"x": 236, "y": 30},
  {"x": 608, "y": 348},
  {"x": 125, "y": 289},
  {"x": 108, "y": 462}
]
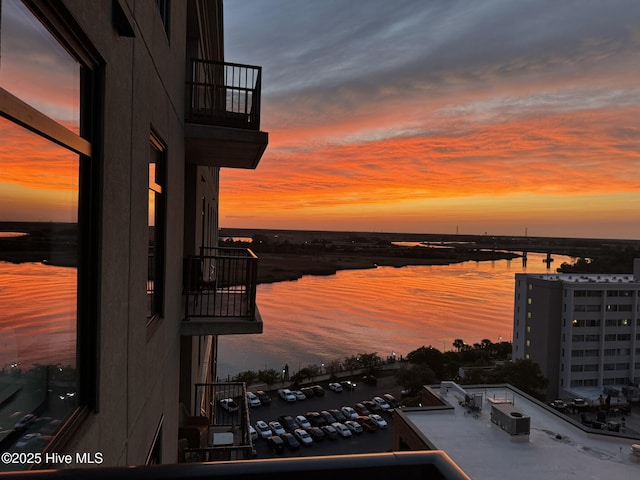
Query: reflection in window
[
  {"x": 36, "y": 68},
  {"x": 42, "y": 302},
  {"x": 38, "y": 286},
  {"x": 155, "y": 278}
]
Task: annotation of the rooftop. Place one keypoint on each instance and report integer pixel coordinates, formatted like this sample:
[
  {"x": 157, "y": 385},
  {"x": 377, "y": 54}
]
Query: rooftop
[
  {"x": 586, "y": 278},
  {"x": 555, "y": 449}
]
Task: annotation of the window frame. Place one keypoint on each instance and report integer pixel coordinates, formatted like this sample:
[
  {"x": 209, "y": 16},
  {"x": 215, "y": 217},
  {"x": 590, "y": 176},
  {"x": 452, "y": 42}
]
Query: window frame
[
  {"x": 158, "y": 152},
  {"x": 65, "y": 30}
]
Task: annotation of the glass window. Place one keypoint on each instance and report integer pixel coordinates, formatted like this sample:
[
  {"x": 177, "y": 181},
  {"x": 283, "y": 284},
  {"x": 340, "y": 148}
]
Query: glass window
[
  {"x": 156, "y": 224},
  {"x": 47, "y": 258}
]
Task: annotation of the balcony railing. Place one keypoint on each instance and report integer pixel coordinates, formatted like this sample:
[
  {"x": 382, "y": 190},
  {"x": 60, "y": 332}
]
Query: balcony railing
[
  {"x": 224, "y": 94},
  {"x": 423, "y": 465},
  {"x": 220, "y": 283},
  {"x": 229, "y": 437}
]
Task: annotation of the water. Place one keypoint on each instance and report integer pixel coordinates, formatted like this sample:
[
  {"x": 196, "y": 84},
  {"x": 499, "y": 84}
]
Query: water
[
  {"x": 387, "y": 310},
  {"x": 37, "y": 315}
]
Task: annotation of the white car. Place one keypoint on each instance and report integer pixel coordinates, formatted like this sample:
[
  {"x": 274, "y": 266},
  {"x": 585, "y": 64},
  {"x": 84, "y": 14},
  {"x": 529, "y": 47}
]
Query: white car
[
  {"x": 253, "y": 400},
  {"x": 276, "y": 428},
  {"x": 229, "y": 405},
  {"x": 349, "y": 412},
  {"x": 342, "y": 430},
  {"x": 263, "y": 429},
  {"x": 336, "y": 387},
  {"x": 299, "y": 395},
  {"x": 354, "y": 426},
  {"x": 302, "y": 422},
  {"x": 27, "y": 440},
  {"x": 253, "y": 432},
  {"x": 287, "y": 395},
  {"x": 382, "y": 423},
  {"x": 303, "y": 437},
  {"x": 381, "y": 402}
]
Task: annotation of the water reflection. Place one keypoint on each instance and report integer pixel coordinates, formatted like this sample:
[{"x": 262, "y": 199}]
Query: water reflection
[{"x": 318, "y": 319}]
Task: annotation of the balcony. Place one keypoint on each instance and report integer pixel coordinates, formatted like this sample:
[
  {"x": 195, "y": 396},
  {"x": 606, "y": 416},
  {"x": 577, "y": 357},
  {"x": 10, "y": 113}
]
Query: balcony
[
  {"x": 227, "y": 428},
  {"x": 219, "y": 293},
  {"x": 222, "y": 115}
]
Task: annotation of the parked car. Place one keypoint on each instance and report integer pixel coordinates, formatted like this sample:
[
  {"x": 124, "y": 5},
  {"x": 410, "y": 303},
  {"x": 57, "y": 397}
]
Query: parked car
[
  {"x": 366, "y": 423},
  {"x": 349, "y": 412},
  {"x": 579, "y": 404},
  {"x": 288, "y": 422},
  {"x": 229, "y": 405},
  {"x": 371, "y": 406},
  {"x": 263, "y": 429},
  {"x": 302, "y": 422},
  {"x": 308, "y": 391},
  {"x": 342, "y": 429},
  {"x": 265, "y": 399},
  {"x": 290, "y": 441},
  {"x": 354, "y": 426},
  {"x": 381, "y": 403},
  {"x": 335, "y": 387},
  {"x": 276, "y": 428},
  {"x": 303, "y": 437},
  {"x": 329, "y": 419},
  {"x": 315, "y": 419},
  {"x": 25, "y": 422},
  {"x": 370, "y": 379},
  {"x": 348, "y": 385},
  {"x": 253, "y": 400},
  {"x": 275, "y": 443},
  {"x": 318, "y": 391},
  {"x": 286, "y": 395},
  {"x": 381, "y": 422},
  {"x": 361, "y": 409},
  {"x": 330, "y": 432},
  {"x": 299, "y": 395},
  {"x": 558, "y": 405},
  {"x": 27, "y": 440},
  {"x": 253, "y": 433},
  {"x": 316, "y": 433},
  {"x": 391, "y": 400},
  {"x": 338, "y": 415}
]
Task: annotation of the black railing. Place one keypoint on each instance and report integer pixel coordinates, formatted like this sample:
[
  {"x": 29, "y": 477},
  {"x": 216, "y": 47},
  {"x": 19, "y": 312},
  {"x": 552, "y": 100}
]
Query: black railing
[
  {"x": 220, "y": 282},
  {"x": 224, "y": 94},
  {"x": 424, "y": 465},
  {"x": 225, "y": 406}
]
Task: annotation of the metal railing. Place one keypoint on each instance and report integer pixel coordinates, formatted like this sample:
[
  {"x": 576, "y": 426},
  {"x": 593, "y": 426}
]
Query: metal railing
[
  {"x": 424, "y": 465},
  {"x": 220, "y": 282},
  {"x": 225, "y": 405},
  {"x": 224, "y": 94}
]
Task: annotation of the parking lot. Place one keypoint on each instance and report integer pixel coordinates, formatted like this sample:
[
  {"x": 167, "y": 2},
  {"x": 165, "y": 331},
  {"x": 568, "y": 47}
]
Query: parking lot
[{"x": 365, "y": 442}]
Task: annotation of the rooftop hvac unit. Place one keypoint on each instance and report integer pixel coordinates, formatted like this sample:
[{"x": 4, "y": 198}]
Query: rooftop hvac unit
[{"x": 509, "y": 419}]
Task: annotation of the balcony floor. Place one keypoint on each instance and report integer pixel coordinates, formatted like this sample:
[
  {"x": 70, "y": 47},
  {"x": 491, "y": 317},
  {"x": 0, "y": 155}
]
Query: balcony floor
[{"x": 220, "y": 314}]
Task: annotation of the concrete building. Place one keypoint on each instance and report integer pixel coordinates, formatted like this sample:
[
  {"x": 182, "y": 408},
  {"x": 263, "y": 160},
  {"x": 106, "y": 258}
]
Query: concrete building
[
  {"x": 130, "y": 109},
  {"x": 583, "y": 330},
  {"x": 486, "y": 446}
]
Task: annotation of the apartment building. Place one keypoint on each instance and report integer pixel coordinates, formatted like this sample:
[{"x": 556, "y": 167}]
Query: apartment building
[
  {"x": 583, "y": 330},
  {"x": 116, "y": 118}
]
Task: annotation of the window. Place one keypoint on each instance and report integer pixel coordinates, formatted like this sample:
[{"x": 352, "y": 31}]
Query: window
[
  {"x": 164, "y": 8},
  {"x": 49, "y": 184},
  {"x": 156, "y": 225}
]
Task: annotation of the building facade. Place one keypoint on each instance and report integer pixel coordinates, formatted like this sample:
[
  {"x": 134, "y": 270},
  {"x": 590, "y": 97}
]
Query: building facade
[
  {"x": 583, "y": 330},
  {"x": 116, "y": 118}
]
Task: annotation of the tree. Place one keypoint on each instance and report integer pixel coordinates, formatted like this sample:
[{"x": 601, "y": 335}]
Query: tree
[
  {"x": 414, "y": 377},
  {"x": 524, "y": 374},
  {"x": 458, "y": 344},
  {"x": 429, "y": 356}
]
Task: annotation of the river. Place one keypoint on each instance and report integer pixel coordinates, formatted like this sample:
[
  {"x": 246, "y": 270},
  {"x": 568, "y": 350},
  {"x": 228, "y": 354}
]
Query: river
[{"x": 386, "y": 310}]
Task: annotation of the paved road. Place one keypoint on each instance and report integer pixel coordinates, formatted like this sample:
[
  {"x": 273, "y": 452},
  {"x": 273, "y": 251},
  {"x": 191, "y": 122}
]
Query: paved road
[{"x": 378, "y": 441}]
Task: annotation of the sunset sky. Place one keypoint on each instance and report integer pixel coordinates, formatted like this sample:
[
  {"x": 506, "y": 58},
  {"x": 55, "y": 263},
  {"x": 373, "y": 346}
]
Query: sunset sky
[{"x": 439, "y": 116}]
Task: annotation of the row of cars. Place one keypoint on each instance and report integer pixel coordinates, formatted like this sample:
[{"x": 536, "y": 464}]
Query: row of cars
[{"x": 315, "y": 426}]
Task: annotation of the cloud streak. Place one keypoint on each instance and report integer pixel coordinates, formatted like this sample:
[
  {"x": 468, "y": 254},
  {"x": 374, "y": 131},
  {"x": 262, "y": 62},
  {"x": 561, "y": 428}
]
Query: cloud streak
[{"x": 413, "y": 109}]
